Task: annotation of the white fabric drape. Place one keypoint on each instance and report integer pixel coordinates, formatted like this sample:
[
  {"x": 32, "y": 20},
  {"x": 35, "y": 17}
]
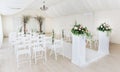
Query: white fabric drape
[
  {"x": 9, "y": 7},
  {"x": 1, "y": 32},
  {"x": 58, "y": 7}
]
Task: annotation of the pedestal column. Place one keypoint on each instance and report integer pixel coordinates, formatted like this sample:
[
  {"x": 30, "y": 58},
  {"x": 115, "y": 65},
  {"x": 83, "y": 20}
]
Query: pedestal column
[
  {"x": 103, "y": 47},
  {"x": 78, "y": 50}
]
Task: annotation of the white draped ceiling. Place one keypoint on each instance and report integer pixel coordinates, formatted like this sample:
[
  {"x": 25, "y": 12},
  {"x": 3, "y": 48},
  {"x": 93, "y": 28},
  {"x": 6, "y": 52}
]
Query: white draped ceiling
[
  {"x": 58, "y": 7},
  {"x": 9, "y": 7}
]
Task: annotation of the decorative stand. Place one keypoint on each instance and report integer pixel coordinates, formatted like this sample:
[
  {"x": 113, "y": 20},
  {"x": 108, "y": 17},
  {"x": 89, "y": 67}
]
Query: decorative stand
[
  {"x": 78, "y": 50},
  {"x": 103, "y": 47},
  {"x": 83, "y": 56}
]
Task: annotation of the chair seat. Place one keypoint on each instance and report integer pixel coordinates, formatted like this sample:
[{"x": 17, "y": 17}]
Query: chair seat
[
  {"x": 38, "y": 49},
  {"x": 23, "y": 52}
]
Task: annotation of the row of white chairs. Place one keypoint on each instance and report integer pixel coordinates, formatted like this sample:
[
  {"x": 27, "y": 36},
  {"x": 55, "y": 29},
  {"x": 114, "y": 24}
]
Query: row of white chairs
[
  {"x": 33, "y": 46},
  {"x": 28, "y": 45}
]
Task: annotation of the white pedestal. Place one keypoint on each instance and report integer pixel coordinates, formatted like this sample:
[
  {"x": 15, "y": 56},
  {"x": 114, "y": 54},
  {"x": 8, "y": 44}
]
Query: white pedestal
[
  {"x": 78, "y": 50},
  {"x": 103, "y": 43}
]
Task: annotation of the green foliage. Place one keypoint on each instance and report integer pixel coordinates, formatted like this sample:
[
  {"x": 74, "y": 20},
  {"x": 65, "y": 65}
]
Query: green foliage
[
  {"x": 104, "y": 27},
  {"x": 80, "y": 30},
  {"x": 39, "y": 19},
  {"x": 53, "y": 35},
  {"x": 26, "y": 19},
  {"x": 63, "y": 34},
  {"x": 20, "y": 29}
]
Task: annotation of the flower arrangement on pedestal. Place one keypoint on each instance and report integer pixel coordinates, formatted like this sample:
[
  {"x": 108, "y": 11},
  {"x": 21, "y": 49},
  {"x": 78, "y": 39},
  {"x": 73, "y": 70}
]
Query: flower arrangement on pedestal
[
  {"x": 104, "y": 27},
  {"x": 80, "y": 30}
]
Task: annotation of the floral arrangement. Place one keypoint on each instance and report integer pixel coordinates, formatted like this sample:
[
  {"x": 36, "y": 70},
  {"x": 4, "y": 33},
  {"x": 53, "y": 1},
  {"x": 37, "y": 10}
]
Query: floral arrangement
[
  {"x": 104, "y": 27},
  {"x": 80, "y": 30},
  {"x": 40, "y": 20},
  {"x": 25, "y": 20}
]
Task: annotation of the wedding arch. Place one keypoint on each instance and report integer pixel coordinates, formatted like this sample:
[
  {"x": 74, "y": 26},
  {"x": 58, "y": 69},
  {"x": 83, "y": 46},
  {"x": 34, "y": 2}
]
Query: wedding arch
[{"x": 26, "y": 20}]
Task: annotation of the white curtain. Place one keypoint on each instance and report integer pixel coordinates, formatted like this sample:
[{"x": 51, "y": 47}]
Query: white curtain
[{"x": 1, "y": 32}]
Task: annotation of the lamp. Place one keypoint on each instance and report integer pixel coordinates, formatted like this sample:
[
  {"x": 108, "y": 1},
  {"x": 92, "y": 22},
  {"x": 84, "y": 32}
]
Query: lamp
[{"x": 43, "y": 8}]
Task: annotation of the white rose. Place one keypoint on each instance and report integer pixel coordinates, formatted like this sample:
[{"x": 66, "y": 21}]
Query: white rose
[
  {"x": 79, "y": 28},
  {"x": 104, "y": 24},
  {"x": 75, "y": 28}
]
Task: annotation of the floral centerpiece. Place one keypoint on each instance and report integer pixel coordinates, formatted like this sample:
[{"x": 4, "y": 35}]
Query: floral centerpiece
[
  {"x": 80, "y": 30},
  {"x": 104, "y": 27}
]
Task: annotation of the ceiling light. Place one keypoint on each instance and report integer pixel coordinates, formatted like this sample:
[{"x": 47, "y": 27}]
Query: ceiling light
[{"x": 43, "y": 8}]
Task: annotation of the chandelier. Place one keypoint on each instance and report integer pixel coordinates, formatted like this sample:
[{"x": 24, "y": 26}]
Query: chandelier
[{"x": 43, "y": 8}]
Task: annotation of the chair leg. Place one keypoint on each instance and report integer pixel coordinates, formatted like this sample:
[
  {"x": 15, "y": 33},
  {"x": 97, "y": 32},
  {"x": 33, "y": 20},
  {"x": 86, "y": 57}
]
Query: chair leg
[
  {"x": 17, "y": 65},
  {"x": 30, "y": 60},
  {"x": 17, "y": 60},
  {"x": 55, "y": 54},
  {"x": 51, "y": 52},
  {"x": 63, "y": 52},
  {"x": 45, "y": 57},
  {"x": 35, "y": 58}
]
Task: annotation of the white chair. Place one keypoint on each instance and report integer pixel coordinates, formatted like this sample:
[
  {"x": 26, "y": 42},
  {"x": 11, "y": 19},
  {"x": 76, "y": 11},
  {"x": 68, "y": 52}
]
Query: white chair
[
  {"x": 48, "y": 41},
  {"x": 12, "y": 38},
  {"x": 57, "y": 47},
  {"x": 20, "y": 34},
  {"x": 39, "y": 49},
  {"x": 23, "y": 52}
]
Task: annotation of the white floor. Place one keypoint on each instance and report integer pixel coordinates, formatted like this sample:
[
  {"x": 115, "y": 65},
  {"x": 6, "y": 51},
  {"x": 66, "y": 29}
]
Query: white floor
[{"x": 110, "y": 63}]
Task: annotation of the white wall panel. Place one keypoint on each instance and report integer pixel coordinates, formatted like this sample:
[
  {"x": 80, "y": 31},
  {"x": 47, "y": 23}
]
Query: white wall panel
[
  {"x": 1, "y": 31},
  {"x": 12, "y": 23},
  {"x": 67, "y": 22}
]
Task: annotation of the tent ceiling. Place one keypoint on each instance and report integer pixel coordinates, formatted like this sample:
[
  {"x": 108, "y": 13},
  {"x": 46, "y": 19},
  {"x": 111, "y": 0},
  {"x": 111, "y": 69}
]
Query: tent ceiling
[
  {"x": 58, "y": 7},
  {"x": 8, "y": 7},
  {"x": 79, "y": 6}
]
